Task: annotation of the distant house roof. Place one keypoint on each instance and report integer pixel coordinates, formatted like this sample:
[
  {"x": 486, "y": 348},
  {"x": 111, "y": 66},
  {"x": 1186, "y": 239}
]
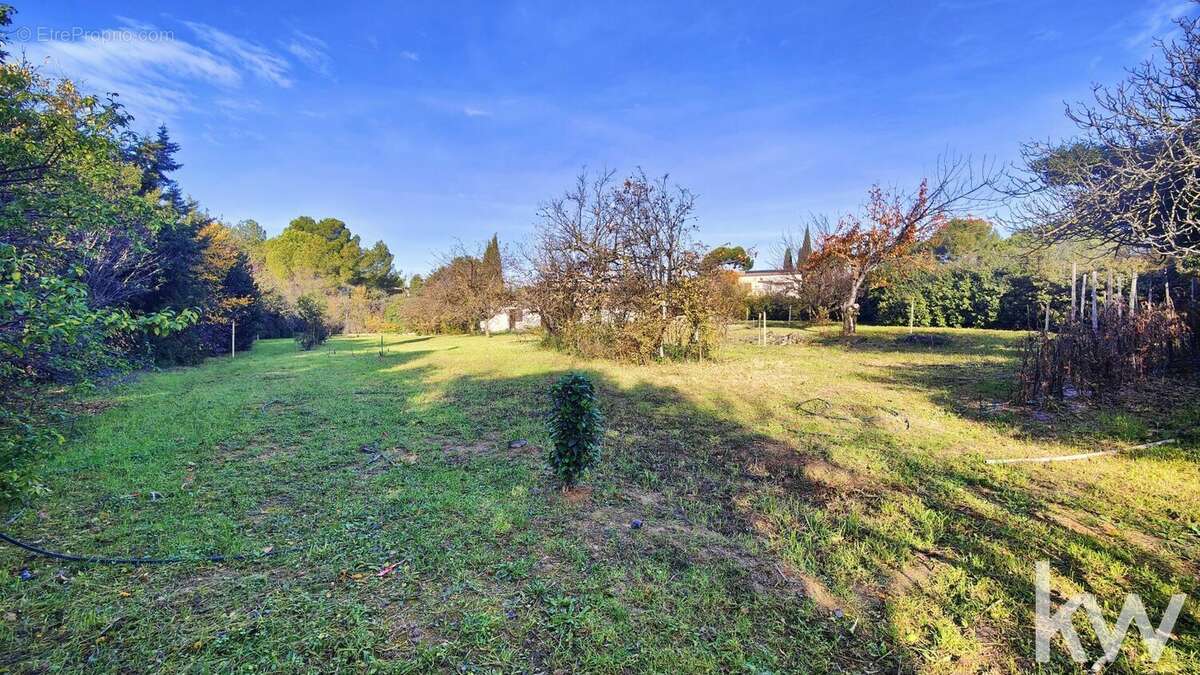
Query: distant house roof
[{"x": 764, "y": 273}]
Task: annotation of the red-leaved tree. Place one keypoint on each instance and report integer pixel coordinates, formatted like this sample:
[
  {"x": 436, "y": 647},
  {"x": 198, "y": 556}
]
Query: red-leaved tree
[{"x": 886, "y": 234}]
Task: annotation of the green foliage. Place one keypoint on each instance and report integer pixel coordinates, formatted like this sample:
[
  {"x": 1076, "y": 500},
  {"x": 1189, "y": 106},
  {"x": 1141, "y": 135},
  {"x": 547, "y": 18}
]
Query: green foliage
[
  {"x": 50, "y": 334},
  {"x": 776, "y": 305},
  {"x": 967, "y": 240},
  {"x": 314, "y": 325},
  {"x": 952, "y": 298},
  {"x": 101, "y": 260},
  {"x": 491, "y": 260},
  {"x": 576, "y": 426},
  {"x": 980, "y": 280},
  {"x": 732, "y": 257},
  {"x": 806, "y": 248},
  {"x": 458, "y": 296},
  {"x": 326, "y": 249}
]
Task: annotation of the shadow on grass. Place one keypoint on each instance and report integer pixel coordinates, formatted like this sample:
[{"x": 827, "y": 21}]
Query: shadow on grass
[
  {"x": 925, "y": 341},
  {"x": 976, "y": 532},
  {"x": 755, "y": 551}
]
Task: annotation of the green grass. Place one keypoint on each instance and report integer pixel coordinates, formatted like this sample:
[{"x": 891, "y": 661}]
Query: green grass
[{"x": 810, "y": 507}]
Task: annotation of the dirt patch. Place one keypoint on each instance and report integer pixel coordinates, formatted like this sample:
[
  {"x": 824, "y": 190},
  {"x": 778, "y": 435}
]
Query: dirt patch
[
  {"x": 576, "y": 495},
  {"x": 270, "y": 507},
  {"x": 641, "y": 525},
  {"x": 456, "y": 453},
  {"x": 832, "y": 476},
  {"x": 405, "y": 635},
  {"x": 1138, "y": 538},
  {"x": 462, "y": 454},
  {"x": 650, "y": 500},
  {"x": 277, "y": 375},
  {"x": 1060, "y": 516},
  {"x": 92, "y": 407},
  {"x": 776, "y": 461},
  {"x": 915, "y": 574},
  {"x": 269, "y": 452},
  {"x": 811, "y": 587},
  {"x": 1102, "y": 530}
]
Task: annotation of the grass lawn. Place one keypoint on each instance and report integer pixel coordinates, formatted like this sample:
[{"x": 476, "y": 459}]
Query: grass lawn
[{"x": 806, "y": 507}]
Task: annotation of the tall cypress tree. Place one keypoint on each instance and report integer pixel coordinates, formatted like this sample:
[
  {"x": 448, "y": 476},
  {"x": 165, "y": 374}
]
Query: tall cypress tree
[
  {"x": 788, "y": 265},
  {"x": 491, "y": 295},
  {"x": 805, "y": 248},
  {"x": 492, "y": 263}
]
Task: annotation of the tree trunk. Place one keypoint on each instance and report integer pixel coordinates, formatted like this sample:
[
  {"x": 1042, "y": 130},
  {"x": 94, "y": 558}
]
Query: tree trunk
[
  {"x": 849, "y": 323},
  {"x": 850, "y": 309}
]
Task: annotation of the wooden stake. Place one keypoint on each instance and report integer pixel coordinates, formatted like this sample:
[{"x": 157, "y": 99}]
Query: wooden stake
[
  {"x": 661, "y": 353},
  {"x": 1120, "y": 300},
  {"x": 1095, "y": 304},
  {"x": 1108, "y": 290},
  {"x": 1073, "y": 271},
  {"x": 1133, "y": 295},
  {"x": 1046, "y": 327},
  {"x": 232, "y": 339},
  {"x": 1083, "y": 296}
]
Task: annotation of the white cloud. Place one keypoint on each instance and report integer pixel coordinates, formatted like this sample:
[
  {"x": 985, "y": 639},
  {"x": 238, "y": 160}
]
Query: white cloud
[
  {"x": 1045, "y": 34},
  {"x": 134, "y": 23},
  {"x": 411, "y": 56},
  {"x": 254, "y": 57},
  {"x": 1158, "y": 22},
  {"x": 146, "y": 73},
  {"x": 471, "y": 111},
  {"x": 310, "y": 50},
  {"x": 157, "y": 74}
]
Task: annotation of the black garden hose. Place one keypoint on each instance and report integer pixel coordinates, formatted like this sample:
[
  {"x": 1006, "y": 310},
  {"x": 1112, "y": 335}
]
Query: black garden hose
[{"x": 99, "y": 560}]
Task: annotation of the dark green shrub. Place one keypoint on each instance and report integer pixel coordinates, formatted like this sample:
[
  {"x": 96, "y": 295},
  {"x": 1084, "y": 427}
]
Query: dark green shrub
[
  {"x": 576, "y": 425},
  {"x": 950, "y": 297},
  {"x": 310, "y": 310}
]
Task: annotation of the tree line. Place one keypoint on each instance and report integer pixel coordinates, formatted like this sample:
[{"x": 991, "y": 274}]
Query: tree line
[{"x": 106, "y": 265}]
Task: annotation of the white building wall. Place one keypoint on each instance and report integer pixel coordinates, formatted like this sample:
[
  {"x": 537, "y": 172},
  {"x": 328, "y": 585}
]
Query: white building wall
[{"x": 503, "y": 322}]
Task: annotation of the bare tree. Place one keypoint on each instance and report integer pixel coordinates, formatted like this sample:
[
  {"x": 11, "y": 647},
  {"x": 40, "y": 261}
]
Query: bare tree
[
  {"x": 573, "y": 253},
  {"x": 617, "y": 261},
  {"x": 1133, "y": 177}
]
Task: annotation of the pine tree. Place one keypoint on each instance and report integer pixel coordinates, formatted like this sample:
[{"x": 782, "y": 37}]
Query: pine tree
[{"x": 157, "y": 159}]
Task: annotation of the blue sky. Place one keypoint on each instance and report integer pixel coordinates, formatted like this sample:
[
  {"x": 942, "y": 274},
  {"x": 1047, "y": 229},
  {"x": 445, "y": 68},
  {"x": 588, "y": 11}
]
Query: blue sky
[{"x": 424, "y": 122}]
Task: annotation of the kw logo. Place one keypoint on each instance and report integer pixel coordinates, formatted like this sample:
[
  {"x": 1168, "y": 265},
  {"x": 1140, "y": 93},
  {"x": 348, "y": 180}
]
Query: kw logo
[{"x": 1050, "y": 623}]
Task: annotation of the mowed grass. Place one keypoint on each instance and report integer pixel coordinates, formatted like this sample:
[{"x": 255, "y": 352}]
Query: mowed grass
[{"x": 812, "y": 507}]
